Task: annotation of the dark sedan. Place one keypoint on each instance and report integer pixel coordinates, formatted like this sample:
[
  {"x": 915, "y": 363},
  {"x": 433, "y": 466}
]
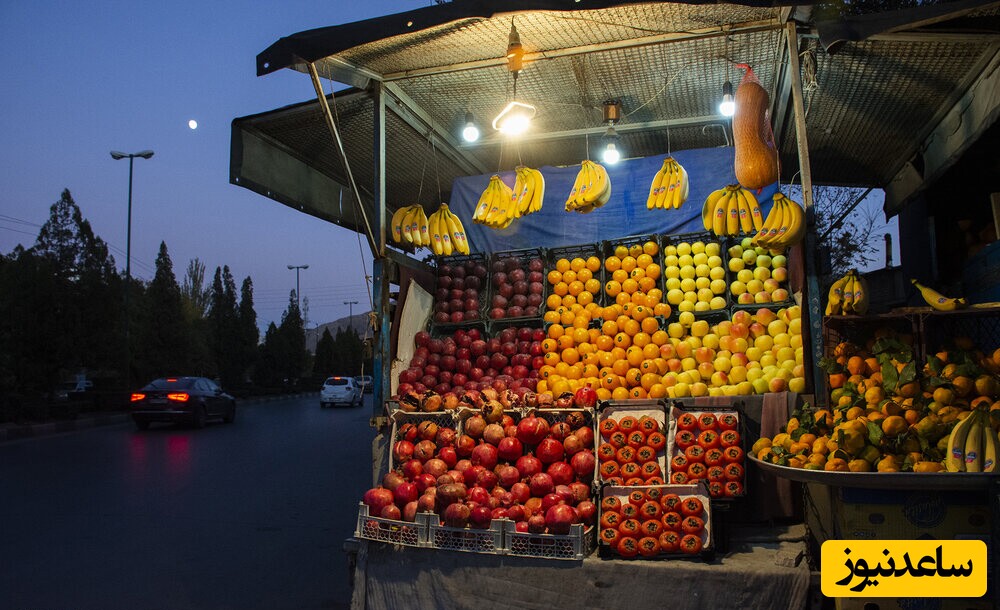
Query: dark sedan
[{"x": 191, "y": 400}]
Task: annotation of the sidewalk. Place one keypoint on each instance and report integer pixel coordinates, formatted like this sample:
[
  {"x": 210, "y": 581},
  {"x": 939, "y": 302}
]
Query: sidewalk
[{"x": 11, "y": 431}]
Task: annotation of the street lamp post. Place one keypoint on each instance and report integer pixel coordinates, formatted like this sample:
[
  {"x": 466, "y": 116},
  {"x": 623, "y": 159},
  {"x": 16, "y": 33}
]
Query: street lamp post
[
  {"x": 117, "y": 156},
  {"x": 350, "y": 309},
  {"x": 298, "y": 297}
]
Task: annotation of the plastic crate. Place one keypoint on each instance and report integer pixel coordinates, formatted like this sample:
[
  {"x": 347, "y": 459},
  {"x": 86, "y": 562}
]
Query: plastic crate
[
  {"x": 468, "y": 540},
  {"x": 737, "y": 241},
  {"x": 666, "y": 262},
  {"x": 574, "y": 546},
  {"x": 677, "y": 408},
  {"x": 939, "y": 329},
  {"x": 861, "y": 330},
  {"x": 708, "y": 534},
  {"x": 583, "y": 251},
  {"x": 553, "y": 416},
  {"x": 484, "y": 288},
  {"x": 502, "y": 262},
  {"x": 616, "y": 410},
  {"x": 389, "y": 530},
  {"x": 399, "y": 418}
]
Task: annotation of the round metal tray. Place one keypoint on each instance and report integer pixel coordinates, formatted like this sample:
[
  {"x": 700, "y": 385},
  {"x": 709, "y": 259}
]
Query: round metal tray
[{"x": 883, "y": 480}]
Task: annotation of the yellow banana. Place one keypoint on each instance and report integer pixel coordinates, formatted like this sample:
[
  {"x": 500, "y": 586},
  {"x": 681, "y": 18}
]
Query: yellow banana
[
  {"x": 954, "y": 461},
  {"x": 668, "y": 181},
  {"x": 483, "y": 205},
  {"x": 571, "y": 201},
  {"x": 733, "y": 214},
  {"x": 588, "y": 183},
  {"x": 937, "y": 300},
  {"x": 518, "y": 193},
  {"x": 685, "y": 189},
  {"x": 847, "y": 303},
  {"x": 991, "y": 444},
  {"x": 860, "y": 295},
  {"x": 424, "y": 231},
  {"x": 433, "y": 225},
  {"x": 447, "y": 248},
  {"x": 396, "y": 224},
  {"x": 796, "y": 225},
  {"x": 974, "y": 446},
  {"x": 602, "y": 192},
  {"x": 407, "y": 223},
  {"x": 770, "y": 223},
  {"x": 605, "y": 194},
  {"x": 746, "y": 222},
  {"x": 654, "y": 188},
  {"x": 708, "y": 208},
  {"x": 457, "y": 237},
  {"x": 537, "y": 190},
  {"x": 835, "y": 297},
  {"x": 719, "y": 214},
  {"x": 756, "y": 218}
]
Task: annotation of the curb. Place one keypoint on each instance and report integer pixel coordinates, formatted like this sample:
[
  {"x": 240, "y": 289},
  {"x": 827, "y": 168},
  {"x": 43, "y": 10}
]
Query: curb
[{"x": 17, "y": 432}]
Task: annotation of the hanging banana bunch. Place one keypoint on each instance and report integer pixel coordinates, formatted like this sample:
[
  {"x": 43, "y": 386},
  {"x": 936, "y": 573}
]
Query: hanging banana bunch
[
  {"x": 409, "y": 225},
  {"x": 591, "y": 190},
  {"x": 494, "y": 203},
  {"x": 848, "y": 295},
  {"x": 447, "y": 234},
  {"x": 670, "y": 186},
  {"x": 731, "y": 210},
  {"x": 529, "y": 189},
  {"x": 785, "y": 225}
]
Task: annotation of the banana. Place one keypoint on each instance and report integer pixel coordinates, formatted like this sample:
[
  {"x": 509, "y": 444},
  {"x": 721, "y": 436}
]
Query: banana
[
  {"x": 605, "y": 196},
  {"x": 397, "y": 224},
  {"x": 456, "y": 234},
  {"x": 602, "y": 192},
  {"x": 796, "y": 226},
  {"x": 433, "y": 225},
  {"x": 991, "y": 444},
  {"x": 424, "y": 231},
  {"x": 974, "y": 445},
  {"x": 447, "y": 248},
  {"x": 746, "y": 223},
  {"x": 483, "y": 205},
  {"x": 708, "y": 208},
  {"x": 575, "y": 191},
  {"x": 588, "y": 183},
  {"x": 519, "y": 192},
  {"x": 860, "y": 295},
  {"x": 537, "y": 191},
  {"x": 836, "y": 295},
  {"x": 719, "y": 214},
  {"x": 756, "y": 218},
  {"x": 937, "y": 300},
  {"x": 773, "y": 219},
  {"x": 654, "y": 188},
  {"x": 407, "y": 222},
  {"x": 668, "y": 182},
  {"x": 733, "y": 214},
  {"x": 847, "y": 302},
  {"x": 685, "y": 188}
]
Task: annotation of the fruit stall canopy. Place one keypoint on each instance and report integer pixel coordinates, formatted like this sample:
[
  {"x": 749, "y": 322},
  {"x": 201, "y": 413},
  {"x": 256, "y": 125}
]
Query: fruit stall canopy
[{"x": 892, "y": 98}]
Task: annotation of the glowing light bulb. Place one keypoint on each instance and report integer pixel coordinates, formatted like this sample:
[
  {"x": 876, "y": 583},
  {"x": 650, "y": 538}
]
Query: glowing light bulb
[{"x": 611, "y": 154}]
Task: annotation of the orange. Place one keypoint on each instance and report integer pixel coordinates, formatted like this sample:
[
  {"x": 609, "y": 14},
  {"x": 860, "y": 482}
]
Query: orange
[
  {"x": 569, "y": 301},
  {"x": 584, "y": 274},
  {"x": 649, "y": 325},
  {"x": 631, "y": 328},
  {"x": 565, "y": 341},
  {"x": 622, "y": 298},
  {"x": 647, "y": 284},
  {"x": 593, "y": 285},
  {"x": 856, "y": 365},
  {"x": 641, "y": 339},
  {"x": 610, "y": 382},
  {"x": 577, "y": 263},
  {"x": 650, "y": 248},
  {"x": 635, "y": 250},
  {"x": 620, "y": 367},
  {"x": 561, "y": 369},
  {"x": 651, "y": 350},
  {"x": 612, "y": 288},
  {"x": 593, "y": 263},
  {"x": 634, "y": 355},
  {"x": 837, "y": 380},
  {"x": 551, "y": 358},
  {"x": 579, "y": 335},
  {"x": 660, "y": 337},
  {"x": 652, "y": 271},
  {"x": 610, "y": 328},
  {"x": 569, "y": 276},
  {"x": 581, "y": 319},
  {"x": 570, "y": 355},
  {"x": 603, "y": 394},
  {"x": 549, "y": 345},
  {"x": 613, "y": 263},
  {"x": 619, "y": 393},
  {"x": 637, "y": 274},
  {"x": 606, "y": 358},
  {"x": 894, "y": 425},
  {"x": 630, "y": 285},
  {"x": 633, "y": 377},
  {"x": 546, "y": 371},
  {"x": 558, "y": 387},
  {"x": 575, "y": 287},
  {"x": 628, "y": 264},
  {"x": 556, "y": 331},
  {"x": 605, "y": 342},
  {"x": 657, "y": 390},
  {"x": 585, "y": 298},
  {"x": 550, "y": 316},
  {"x": 561, "y": 288},
  {"x": 640, "y": 313},
  {"x": 554, "y": 277},
  {"x": 619, "y": 276},
  {"x": 837, "y": 464},
  {"x": 648, "y": 367},
  {"x": 553, "y": 301},
  {"x": 566, "y": 317},
  {"x": 662, "y": 309},
  {"x": 637, "y": 392}
]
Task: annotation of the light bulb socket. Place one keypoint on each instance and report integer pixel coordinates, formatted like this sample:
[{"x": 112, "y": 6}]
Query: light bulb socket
[
  {"x": 515, "y": 52},
  {"x": 612, "y": 111},
  {"x": 727, "y": 89}
]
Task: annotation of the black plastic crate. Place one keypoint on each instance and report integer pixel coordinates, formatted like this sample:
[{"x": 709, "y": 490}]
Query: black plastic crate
[
  {"x": 782, "y": 284},
  {"x": 631, "y": 243},
  {"x": 982, "y": 326},
  {"x": 672, "y": 241},
  {"x": 510, "y": 262},
  {"x": 861, "y": 330},
  {"x": 582, "y": 251},
  {"x": 467, "y": 262}
]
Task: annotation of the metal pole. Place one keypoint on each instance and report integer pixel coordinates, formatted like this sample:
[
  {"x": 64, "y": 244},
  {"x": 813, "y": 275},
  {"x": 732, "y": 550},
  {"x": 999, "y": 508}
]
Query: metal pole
[
  {"x": 298, "y": 296},
  {"x": 350, "y": 309},
  {"x": 128, "y": 276}
]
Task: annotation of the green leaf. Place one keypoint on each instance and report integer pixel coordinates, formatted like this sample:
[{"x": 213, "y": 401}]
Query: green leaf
[
  {"x": 874, "y": 433},
  {"x": 908, "y": 374},
  {"x": 937, "y": 382},
  {"x": 830, "y": 366},
  {"x": 925, "y": 445},
  {"x": 890, "y": 377},
  {"x": 798, "y": 432},
  {"x": 889, "y": 345},
  {"x": 935, "y": 364},
  {"x": 968, "y": 369}
]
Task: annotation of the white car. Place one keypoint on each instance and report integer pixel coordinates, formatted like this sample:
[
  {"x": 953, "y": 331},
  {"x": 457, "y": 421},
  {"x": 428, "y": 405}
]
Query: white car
[
  {"x": 340, "y": 390},
  {"x": 366, "y": 383}
]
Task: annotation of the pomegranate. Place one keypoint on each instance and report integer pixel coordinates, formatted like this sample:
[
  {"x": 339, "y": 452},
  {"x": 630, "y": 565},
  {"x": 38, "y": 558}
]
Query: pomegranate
[
  {"x": 427, "y": 430},
  {"x": 391, "y": 512},
  {"x": 560, "y": 431},
  {"x": 448, "y": 478},
  {"x": 585, "y": 398},
  {"x": 531, "y": 430},
  {"x": 410, "y": 511},
  {"x": 533, "y": 505},
  {"x": 412, "y": 469},
  {"x": 424, "y": 450},
  {"x": 528, "y": 465},
  {"x": 507, "y": 475},
  {"x": 586, "y": 436},
  {"x": 561, "y": 473},
  {"x": 506, "y": 498},
  {"x": 520, "y": 491},
  {"x": 571, "y": 445},
  {"x": 583, "y": 464},
  {"x": 448, "y": 455},
  {"x": 479, "y": 495},
  {"x": 475, "y": 426},
  {"x": 426, "y": 503},
  {"x": 536, "y": 524},
  {"x": 377, "y": 498},
  {"x": 515, "y": 512},
  {"x": 521, "y": 527},
  {"x": 407, "y": 432},
  {"x": 465, "y": 445},
  {"x": 499, "y": 512},
  {"x": 435, "y": 467},
  {"x": 424, "y": 481},
  {"x": 485, "y": 455},
  {"x": 493, "y": 434},
  {"x": 391, "y": 480},
  {"x": 509, "y": 449},
  {"x": 450, "y": 399},
  {"x": 541, "y": 484},
  {"x": 487, "y": 479},
  {"x": 549, "y": 451},
  {"x": 587, "y": 512},
  {"x": 581, "y": 491},
  {"x": 563, "y": 401},
  {"x": 456, "y": 515},
  {"x": 405, "y": 493},
  {"x": 559, "y": 518},
  {"x": 471, "y": 474},
  {"x": 446, "y": 437},
  {"x": 462, "y": 465},
  {"x": 480, "y": 516},
  {"x": 402, "y": 451},
  {"x": 550, "y": 500},
  {"x": 450, "y": 494},
  {"x": 510, "y": 430}
]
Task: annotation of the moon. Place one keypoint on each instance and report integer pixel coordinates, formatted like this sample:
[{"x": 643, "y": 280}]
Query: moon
[{"x": 193, "y": 124}]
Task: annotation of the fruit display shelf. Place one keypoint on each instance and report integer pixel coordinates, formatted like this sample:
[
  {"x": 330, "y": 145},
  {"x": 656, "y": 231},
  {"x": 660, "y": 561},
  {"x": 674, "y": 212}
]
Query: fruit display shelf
[
  {"x": 517, "y": 286},
  {"x": 657, "y": 512},
  {"x": 461, "y": 290},
  {"x": 392, "y": 531},
  {"x": 584, "y": 256},
  {"x": 695, "y": 275},
  {"x": 884, "y": 480},
  {"x": 758, "y": 277},
  {"x": 708, "y": 444}
]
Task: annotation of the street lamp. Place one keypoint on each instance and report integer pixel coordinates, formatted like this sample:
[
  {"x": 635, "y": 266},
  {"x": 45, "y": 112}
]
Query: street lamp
[
  {"x": 298, "y": 298},
  {"x": 117, "y": 156},
  {"x": 350, "y": 309}
]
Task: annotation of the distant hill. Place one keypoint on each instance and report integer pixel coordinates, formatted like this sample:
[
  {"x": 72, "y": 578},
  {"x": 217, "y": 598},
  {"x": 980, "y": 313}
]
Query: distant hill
[{"x": 359, "y": 322}]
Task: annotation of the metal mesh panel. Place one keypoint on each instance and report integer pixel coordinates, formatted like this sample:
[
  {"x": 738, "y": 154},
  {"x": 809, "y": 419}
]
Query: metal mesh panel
[{"x": 872, "y": 98}]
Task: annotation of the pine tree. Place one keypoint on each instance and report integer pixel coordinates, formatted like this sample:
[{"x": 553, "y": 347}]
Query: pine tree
[
  {"x": 323, "y": 363},
  {"x": 294, "y": 337},
  {"x": 164, "y": 345},
  {"x": 268, "y": 373},
  {"x": 247, "y": 325}
]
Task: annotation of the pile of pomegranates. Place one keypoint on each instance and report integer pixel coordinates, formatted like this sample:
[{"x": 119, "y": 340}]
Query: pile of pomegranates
[
  {"x": 533, "y": 472},
  {"x": 517, "y": 287},
  {"x": 456, "y": 298}
]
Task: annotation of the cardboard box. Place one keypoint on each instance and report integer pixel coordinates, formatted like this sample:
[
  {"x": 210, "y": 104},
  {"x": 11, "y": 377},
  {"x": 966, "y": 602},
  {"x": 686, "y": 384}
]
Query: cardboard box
[
  {"x": 882, "y": 514},
  {"x": 911, "y": 603}
]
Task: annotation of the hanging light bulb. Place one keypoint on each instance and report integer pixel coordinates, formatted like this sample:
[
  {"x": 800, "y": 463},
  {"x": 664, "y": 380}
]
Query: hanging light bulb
[
  {"x": 727, "y": 107},
  {"x": 514, "y": 119},
  {"x": 515, "y": 52},
  {"x": 471, "y": 131},
  {"x": 611, "y": 154}
]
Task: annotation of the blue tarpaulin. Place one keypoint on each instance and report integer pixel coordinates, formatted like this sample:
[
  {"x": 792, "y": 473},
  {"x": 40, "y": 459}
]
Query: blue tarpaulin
[{"x": 625, "y": 213}]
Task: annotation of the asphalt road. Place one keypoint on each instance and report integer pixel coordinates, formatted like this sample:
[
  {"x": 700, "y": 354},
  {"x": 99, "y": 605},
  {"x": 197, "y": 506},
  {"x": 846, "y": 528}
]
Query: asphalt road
[{"x": 252, "y": 514}]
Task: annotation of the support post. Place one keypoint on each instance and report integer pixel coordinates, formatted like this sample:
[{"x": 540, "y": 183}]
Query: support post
[
  {"x": 383, "y": 271},
  {"x": 813, "y": 306}
]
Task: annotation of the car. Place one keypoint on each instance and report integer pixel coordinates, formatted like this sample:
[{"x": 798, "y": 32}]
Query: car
[
  {"x": 190, "y": 400},
  {"x": 340, "y": 390},
  {"x": 366, "y": 383}
]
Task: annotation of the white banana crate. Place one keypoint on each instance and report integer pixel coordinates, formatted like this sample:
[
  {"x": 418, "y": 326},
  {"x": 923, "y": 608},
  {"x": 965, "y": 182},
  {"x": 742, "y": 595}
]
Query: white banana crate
[{"x": 575, "y": 546}]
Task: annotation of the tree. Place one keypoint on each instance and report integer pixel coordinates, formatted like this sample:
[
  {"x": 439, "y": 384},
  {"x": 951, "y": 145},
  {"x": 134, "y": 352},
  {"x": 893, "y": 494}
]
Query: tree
[
  {"x": 247, "y": 328},
  {"x": 323, "y": 363},
  {"x": 293, "y": 336},
  {"x": 68, "y": 241},
  {"x": 268, "y": 373},
  {"x": 196, "y": 296},
  {"x": 164, "y": 345},
  {"x": 349, "y": 351},
  {"x": 224, "y": 327}
]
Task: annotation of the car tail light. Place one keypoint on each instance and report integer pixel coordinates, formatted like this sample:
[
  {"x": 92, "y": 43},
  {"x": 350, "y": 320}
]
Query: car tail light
[
  {"x": 137, "y": 396},
  {"x": 178, "y": 396}
]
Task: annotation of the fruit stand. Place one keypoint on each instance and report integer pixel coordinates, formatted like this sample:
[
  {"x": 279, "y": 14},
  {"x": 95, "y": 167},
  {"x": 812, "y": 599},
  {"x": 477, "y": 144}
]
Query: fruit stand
[{"x": 615, "y": 364}]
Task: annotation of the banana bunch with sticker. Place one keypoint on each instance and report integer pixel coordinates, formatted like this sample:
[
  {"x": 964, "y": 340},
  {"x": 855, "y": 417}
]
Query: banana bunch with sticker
[
  {"x": 447, "y": 233},
  {"x": 497, "y": 205},
  {"x": 972, "y": 445},
  {"x": 785, "y": 225},
  {"x": 670, "y": 186},
  {"x": 848, "y": 295},
  {"x": 529, "y": 190},
  {"x": 409, "y": 225},
  {"x": 591, "y": 190},
  {"x": 731, "y": 210}
]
